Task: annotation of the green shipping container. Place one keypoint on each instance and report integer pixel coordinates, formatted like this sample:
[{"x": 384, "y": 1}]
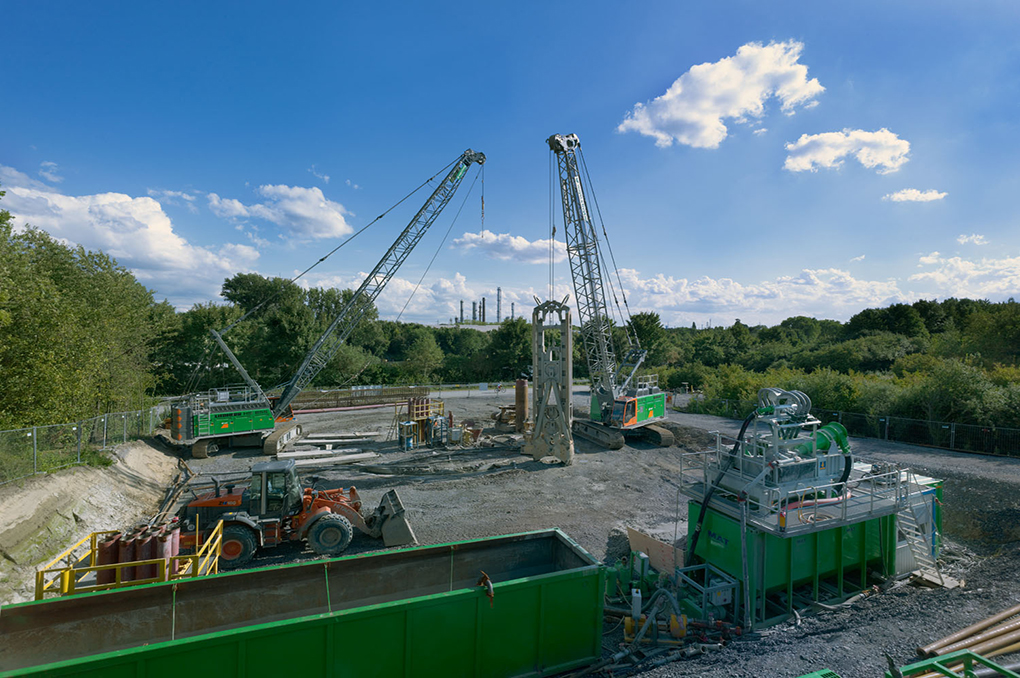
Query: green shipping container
[
  {"x": 825, "y": 565},
  {"x": 413, "y": 612}
]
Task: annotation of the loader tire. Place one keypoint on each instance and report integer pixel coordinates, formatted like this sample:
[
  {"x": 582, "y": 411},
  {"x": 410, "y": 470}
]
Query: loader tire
[
  {"x": 237, "y": 548},
  {"x": 330, "y": 535}
]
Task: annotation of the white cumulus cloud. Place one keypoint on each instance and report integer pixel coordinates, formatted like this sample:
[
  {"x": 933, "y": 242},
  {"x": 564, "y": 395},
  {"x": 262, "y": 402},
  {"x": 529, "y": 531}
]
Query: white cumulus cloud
[
  {"x": 135, "y": 231},
  {"x": 693, "y": 110},
  {"x": 973, "y": 239},
  {"x": 305, "y": 212},
  {"x": 914, "y": 195},
  {"x": 507, "y": 247},
  {"x": 829, "y": 293},
  {"x": 883, "y": 150},
  {"x": 987, "y": 278},
  {"x": 860, "y": 258}
]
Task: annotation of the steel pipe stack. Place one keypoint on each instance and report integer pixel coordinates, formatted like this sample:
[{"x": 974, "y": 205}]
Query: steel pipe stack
[{"x": 997, "y": 635}]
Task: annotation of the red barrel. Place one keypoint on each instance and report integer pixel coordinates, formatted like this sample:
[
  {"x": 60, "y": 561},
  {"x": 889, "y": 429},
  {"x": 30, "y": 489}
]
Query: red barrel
[
  {"x": 145, "y": 549},
  {"x": 126, "y": 554},
  {"x": 107, "y": 555}
]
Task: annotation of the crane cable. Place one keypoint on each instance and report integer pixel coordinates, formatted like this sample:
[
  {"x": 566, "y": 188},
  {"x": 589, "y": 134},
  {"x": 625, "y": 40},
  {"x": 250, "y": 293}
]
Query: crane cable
[
  {"x": 627, "y": 324},
  {"x": 447, "y": 235},
  {"x": 193, "y": 379},
  {"x": 552, "y": 234},
  {"x": 334, "y": 250}
]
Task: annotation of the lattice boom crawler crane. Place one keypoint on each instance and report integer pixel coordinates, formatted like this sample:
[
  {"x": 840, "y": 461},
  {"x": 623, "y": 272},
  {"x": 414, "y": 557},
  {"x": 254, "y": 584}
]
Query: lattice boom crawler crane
[
  {"x": 246, "y": 416},
  {"x": 620, "y": 400}
]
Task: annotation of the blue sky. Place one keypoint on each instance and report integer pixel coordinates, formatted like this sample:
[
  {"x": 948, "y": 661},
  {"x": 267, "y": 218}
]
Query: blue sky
[{"x": 752, "y": 160}]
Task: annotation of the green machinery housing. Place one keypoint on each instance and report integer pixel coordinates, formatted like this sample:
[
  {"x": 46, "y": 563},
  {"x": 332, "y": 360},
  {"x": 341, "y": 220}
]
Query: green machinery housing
[
  {"x": 790, "y": 518},
  {"x": 411, "y": 612}
]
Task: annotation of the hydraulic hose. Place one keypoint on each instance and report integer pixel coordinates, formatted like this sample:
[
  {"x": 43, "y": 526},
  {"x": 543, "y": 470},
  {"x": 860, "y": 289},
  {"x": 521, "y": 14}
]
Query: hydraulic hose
[{"x": 689, "y": 558}]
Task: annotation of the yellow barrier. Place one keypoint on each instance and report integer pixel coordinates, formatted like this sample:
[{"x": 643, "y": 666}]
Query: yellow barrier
[{"x": 68, "y": 580}]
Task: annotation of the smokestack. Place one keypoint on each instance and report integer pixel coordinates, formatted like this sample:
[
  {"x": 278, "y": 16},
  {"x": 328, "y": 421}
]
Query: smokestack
[
  {"x": 483, "y": 310},
  {"x": 474, "y": 311},
  {"x": 511, "y": 310},
  {"x": 461, "y": 310},
  {"x": 499, "y": 304}
]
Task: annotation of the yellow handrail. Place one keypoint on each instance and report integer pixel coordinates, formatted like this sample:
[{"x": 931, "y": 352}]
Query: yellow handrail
[
  {"x": 67, "y": 580},
  {"x": 205, "y": 561},
  {"x": 42, "y": 586}
]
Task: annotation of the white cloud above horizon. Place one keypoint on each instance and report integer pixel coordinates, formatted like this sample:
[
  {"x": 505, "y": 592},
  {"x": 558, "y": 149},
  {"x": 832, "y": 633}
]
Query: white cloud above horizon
[
  {"x": 881, "y": 150},
  {"x": 507, "y": 247},
  {"x": 48, "y": 171},
  {"x": 133, "y": 230},
  {"x": 319, "y": 175},
  {"x": 986, "y": 278},
  {"x": 914, "y": 195},
  {"x": 694, "y": 109},
  {"x": 304, "y": 212},
  {"x": 180, "y": 198},
  {"x": 973, "y": 239}
]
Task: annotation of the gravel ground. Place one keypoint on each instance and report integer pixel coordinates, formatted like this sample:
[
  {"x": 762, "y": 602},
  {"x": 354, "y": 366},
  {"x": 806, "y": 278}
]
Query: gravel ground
[{"x": 481, "y": 492}]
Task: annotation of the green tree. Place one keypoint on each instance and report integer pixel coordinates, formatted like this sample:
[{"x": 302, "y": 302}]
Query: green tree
[
  {"x": 423, "y": 359},
  {"x": 281, "y": 329},
  {"x": 510, "y": 349}
]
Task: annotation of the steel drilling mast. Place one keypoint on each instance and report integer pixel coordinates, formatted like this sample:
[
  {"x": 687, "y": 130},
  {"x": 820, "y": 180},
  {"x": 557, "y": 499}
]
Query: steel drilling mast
[
  {"x": 619, "y": 399},
  {"x": 202, "y": 421}
]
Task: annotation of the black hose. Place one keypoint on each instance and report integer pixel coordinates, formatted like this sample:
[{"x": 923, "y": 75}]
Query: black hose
[
  {"x": 689, "y": 558},
  {"x": 848, "y": 465}
]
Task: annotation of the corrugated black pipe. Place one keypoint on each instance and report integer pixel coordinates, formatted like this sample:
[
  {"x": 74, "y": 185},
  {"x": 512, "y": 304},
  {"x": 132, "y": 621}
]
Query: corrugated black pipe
[{"x": 689, "y": 558}]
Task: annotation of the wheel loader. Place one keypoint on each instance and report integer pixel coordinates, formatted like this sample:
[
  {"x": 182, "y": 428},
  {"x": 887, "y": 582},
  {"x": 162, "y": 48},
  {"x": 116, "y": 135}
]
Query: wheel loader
[{"x": 274, "y": 508}]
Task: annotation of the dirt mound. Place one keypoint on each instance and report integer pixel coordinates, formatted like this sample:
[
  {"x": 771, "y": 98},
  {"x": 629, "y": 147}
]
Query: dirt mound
[{"x": 43, "y": 515}]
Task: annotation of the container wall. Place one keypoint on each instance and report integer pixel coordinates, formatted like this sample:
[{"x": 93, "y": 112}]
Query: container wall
[
  {"x": 822, "y": 565},
  {"x": 412, "y": 612}
]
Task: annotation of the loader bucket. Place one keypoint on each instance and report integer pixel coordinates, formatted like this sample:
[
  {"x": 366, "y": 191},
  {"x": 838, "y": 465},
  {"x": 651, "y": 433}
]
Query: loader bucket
[{"x": 396, "y": 531}]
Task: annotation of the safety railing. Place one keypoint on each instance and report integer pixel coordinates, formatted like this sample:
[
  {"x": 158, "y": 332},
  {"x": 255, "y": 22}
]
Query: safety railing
[
  {"x": 78, "y": 577},
  {"x": 204, "y": 561},
  {"x": 784, "y": 509}
]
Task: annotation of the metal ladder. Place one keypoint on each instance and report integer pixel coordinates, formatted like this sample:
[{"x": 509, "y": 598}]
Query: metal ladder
[{"x": 919, "y": 539}]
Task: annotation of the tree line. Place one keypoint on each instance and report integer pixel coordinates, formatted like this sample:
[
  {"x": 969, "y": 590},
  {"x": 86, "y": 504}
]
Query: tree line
[{"x": 80, "y": 336}]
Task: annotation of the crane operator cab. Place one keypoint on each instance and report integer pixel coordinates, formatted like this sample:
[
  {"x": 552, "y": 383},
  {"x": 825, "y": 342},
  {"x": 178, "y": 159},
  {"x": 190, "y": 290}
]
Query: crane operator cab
[
  {"x": 624, "y": 413},
  {"x": 639, "y": 406}
]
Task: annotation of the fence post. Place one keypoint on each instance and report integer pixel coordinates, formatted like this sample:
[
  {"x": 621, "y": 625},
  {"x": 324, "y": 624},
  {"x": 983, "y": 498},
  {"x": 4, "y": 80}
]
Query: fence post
[
  {"x": 124, "y": 419},
  {"x": 839, "y": 416},
  {"x": 952, "y": 436},
  {"x": 80, "y": 424},
  {"x": 105, "y": 417},
  {"x": 35, "y": 449},
  {"x": 887, "y": 427}
]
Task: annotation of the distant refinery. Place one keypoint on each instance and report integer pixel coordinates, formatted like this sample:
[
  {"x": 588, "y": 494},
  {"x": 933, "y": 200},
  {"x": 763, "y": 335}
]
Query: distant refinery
[{"x": 478, "y": 311}]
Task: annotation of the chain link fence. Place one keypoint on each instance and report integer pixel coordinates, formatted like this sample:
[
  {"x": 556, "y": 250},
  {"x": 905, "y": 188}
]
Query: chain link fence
[
  {"x": 41, "y": 449},
  {"x": 995, "y": 440}
]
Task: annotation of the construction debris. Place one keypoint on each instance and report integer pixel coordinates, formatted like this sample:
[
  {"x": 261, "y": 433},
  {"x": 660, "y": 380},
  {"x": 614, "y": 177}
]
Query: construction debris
[
  {"x": 309, "y": 452},
  {"x": 317, "y": 462}
]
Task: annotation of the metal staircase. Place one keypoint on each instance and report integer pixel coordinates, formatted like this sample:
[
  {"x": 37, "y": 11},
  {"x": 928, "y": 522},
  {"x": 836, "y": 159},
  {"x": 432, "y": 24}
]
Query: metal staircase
[{"x": 918, "y": 532}]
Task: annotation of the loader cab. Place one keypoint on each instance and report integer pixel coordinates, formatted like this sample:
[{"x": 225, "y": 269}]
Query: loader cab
[{"x": 275, "y": 491}]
